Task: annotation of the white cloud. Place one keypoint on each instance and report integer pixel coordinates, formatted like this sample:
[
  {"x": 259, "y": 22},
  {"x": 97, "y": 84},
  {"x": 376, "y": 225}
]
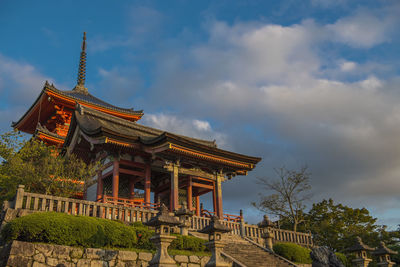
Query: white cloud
[
  {"x": 363, "y": 30},
  {"x": 184, "y": 126},
  {"x": 20, "y": 84},
  {"x": 275, "y": 80},
  {"x": 348, "y": 66}
]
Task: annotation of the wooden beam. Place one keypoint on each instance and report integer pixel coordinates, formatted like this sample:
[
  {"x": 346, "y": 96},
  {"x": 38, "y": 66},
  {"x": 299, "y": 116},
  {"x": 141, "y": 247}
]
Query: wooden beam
[
  {"x": 133, "y": 164},
  {"x": 130, "y": 172},
  {"x": 202, "y": 185},
  {"x": 192, "y": 172}
]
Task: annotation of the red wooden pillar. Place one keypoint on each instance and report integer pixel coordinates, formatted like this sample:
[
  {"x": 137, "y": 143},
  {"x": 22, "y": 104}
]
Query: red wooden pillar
[
  {"x": 147, "y": 183},
  {"x": 99, "y": 193},
  {"x": 174, "y": 188},
  {"x": 115, "y": 180},
  {"x": 214, "y": 199},
  {"x": 218, "y": 196},
  {"x": 189, "y": 194},
  {"x": 197, "y": 205}
]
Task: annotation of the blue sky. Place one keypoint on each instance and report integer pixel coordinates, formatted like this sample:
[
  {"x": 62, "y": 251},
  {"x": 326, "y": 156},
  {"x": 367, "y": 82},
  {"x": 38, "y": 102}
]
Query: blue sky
[{"x": 313, "y": 82}]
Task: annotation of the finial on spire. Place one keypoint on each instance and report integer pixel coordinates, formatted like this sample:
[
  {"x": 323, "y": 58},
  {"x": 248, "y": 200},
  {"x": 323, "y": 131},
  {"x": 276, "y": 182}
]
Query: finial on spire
[{"x": 82, "y": 68}]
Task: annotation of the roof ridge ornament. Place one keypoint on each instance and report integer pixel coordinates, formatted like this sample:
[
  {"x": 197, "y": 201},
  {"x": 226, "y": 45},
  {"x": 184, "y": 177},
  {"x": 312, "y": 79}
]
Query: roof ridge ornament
[{"x": 80, "y": 87}]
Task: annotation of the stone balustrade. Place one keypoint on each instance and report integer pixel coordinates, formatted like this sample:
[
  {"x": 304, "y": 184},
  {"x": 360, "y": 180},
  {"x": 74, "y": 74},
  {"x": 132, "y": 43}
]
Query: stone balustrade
[{"x": 39, "y": 202}]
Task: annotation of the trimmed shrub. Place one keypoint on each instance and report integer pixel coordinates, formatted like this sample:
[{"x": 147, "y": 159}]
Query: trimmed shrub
[
  {"x": 143, "y": 234},
  {"x": 293, "y": 252},
  {"x": 191, "y": 243},
  {"x": 64, "y": 229},
  {"x": 69, "y": 230}
]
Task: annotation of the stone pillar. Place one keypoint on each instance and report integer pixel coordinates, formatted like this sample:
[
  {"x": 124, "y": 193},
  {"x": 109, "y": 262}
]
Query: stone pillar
[
  {"x": 174, "y": 188},
  {"x": 162, "y": 238},
  {"x": 268, "y": 235},
  {"x": 147, "y": 184},
  {"x": 215, "y": 230},
  {"x": 20, "y": 196},
  {"x": 242, "y": 229},
  {"x": 162, "y": 258},
  {"x": 218, "y": 196},
  {"x": 115, "y": 179},
  {"x": 184, "y": 215}
]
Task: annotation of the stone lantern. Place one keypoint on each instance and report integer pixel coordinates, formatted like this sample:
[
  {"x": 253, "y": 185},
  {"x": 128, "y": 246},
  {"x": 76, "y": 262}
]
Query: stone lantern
[
  {"x": 215, "y": 244},
  {"x": 184, "y": 215},
  {"x": 360, "y": 249},
  {"x": 383, "y": 253},
  {"x": 268, "y": 235},
  {"x": 162, "y": 222}
]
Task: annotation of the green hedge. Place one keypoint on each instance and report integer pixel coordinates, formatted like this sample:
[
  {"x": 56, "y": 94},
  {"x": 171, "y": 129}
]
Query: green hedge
[
  {"x": 188, "y": 243},
  {"x": 293, "y": 252},
  {"x": 64, "y": 229}
]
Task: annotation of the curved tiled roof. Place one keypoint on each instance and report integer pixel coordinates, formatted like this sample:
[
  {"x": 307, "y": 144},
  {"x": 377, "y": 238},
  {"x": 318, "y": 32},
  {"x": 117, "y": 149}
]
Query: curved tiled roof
[{"x": 87, "y": 97}]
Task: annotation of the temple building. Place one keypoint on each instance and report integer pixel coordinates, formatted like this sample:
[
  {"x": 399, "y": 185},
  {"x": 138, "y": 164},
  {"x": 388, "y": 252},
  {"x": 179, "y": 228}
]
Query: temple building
[{"x": 164, "y": 167}]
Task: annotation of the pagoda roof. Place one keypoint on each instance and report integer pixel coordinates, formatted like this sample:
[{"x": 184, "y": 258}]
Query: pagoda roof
[
  {"x": 76, "y": 95},
  {"x": 104, "y": 128}
]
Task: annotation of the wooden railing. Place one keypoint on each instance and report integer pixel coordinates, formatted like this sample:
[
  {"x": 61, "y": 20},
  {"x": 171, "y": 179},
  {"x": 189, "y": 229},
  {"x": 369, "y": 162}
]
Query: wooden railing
[
  {"x": 225, "y": 217},
  {"x": 40, "y": 202},
  {"x": 127, "y": 202}
]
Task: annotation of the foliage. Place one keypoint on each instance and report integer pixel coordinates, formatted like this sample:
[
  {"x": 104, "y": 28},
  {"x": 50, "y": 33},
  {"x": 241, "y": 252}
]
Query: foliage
[
  {"x": 346, "y": 262},
  {"x": 188, "y": 243},
  {"x": 64, "y": 229},
  {"x": 39, "y": 167},
  {"x": 290, "y": 192},
  {"x": 336, "y": 226},
  {"x": 143, "y": 236},
  {"x": 293, "y": 252}
]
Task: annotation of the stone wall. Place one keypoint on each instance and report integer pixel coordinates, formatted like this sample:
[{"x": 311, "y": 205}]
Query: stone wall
[{"x": 24, "y": 254}]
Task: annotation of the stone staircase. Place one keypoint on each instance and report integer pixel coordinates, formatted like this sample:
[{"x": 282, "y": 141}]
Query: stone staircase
[
  {"x": 252, "y": 255},
  {"x": 246, "y": 253}
]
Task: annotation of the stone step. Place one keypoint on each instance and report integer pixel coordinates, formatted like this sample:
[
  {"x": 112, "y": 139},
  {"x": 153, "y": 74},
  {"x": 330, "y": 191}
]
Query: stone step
[{"x": 252, "y": 255}]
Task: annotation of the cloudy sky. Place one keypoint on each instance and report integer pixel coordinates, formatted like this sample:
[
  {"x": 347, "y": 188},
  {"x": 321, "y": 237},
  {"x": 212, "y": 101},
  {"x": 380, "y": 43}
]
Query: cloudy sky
[{"x": 313, "y": 82}]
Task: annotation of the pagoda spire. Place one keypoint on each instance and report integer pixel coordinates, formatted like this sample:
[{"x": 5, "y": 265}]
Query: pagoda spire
[{"x": 82, "y": 69}]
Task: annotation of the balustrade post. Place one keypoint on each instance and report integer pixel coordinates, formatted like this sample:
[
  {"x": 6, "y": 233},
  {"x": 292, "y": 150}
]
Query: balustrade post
[
  {"x": 242, "y": 230},
  {"x": 20, "y": 196}
]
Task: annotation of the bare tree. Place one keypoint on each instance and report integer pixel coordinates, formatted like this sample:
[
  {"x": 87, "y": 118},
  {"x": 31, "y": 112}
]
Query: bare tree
[{"x": 291, "y": 191}]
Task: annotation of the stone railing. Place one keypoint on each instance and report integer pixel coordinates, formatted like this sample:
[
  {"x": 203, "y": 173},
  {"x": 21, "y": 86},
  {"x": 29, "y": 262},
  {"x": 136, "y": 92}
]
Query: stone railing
[
  {"x": 254, "y": 232},
  {"x": 304, "y": 239},
  {"x": 40, "y": 202}
]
